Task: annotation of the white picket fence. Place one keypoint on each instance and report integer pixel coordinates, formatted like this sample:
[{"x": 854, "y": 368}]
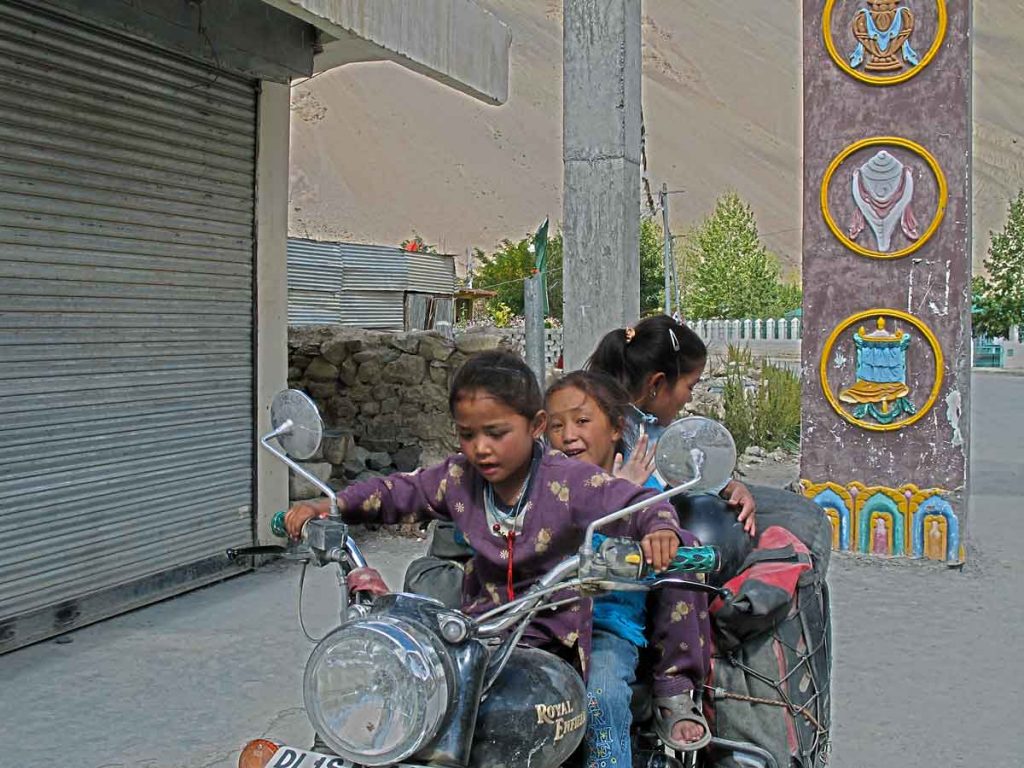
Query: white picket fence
[
  {"x": 716, "y": 333},
  {"x": 750, "y": 329}
]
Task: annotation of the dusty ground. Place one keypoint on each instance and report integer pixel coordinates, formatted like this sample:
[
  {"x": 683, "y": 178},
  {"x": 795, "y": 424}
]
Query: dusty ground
[{"x": 926, "y": 669}]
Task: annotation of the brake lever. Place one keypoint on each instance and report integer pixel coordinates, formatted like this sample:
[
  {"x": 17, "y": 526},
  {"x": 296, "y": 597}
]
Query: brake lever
[{"x": 694, "y": 586}]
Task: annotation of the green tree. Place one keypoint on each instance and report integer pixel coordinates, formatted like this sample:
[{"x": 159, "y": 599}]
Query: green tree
[
  {"x": 1002, "y": 292},
  {"x": 652, "y": 267},
  {"x": 504, "y": 270},
  {"x": 729, "y": 273}
]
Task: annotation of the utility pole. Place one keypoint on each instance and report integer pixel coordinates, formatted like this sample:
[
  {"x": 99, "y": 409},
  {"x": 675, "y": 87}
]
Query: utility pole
[
  {"x": 668, "y": 249},
  {"x": 676, "y": 287},
  {"x": 601, "y": 68}
]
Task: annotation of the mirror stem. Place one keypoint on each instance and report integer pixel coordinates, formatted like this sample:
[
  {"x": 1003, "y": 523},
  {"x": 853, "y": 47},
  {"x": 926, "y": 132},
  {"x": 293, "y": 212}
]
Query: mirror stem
[
  {"x": 284, "y": 429},
  {"x": 587, "y": 550}
]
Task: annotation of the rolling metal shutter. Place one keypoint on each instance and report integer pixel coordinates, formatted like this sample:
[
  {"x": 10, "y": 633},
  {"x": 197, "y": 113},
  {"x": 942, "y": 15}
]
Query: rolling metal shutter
[{"x": 126, "y": 305}]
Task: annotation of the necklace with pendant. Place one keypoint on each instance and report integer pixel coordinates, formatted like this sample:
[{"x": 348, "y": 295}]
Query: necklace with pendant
[{"x": 508, "y": 524}]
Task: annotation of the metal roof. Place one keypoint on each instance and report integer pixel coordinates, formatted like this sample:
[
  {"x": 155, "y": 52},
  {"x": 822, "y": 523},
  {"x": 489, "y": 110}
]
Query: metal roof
[{"x": 360, "y": 285}]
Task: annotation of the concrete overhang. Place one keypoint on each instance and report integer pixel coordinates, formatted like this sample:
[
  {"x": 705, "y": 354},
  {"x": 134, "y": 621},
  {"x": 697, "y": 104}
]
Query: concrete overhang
[{"x": 455, "y": 42}]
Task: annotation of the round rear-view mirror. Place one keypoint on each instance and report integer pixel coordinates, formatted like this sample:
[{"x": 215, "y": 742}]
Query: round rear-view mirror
[
  {"x": 696, "y": 447},
  {"x": 302, "y": 438}
]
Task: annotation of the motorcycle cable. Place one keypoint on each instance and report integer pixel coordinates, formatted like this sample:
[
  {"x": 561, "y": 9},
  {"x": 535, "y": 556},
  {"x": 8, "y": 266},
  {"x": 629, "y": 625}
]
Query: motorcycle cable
[
  {"x": 302, "y": 624},
  {"x": 497, "y": 663}
]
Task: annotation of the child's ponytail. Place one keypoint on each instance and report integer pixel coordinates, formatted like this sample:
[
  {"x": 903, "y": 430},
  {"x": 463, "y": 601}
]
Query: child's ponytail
[
  {"x": 610, "y": 356},
  {"x": 657, "y": 344}
]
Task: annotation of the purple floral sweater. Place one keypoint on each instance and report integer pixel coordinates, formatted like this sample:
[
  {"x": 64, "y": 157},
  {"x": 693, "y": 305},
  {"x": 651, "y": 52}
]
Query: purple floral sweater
[{"x": 566, "y": 495}]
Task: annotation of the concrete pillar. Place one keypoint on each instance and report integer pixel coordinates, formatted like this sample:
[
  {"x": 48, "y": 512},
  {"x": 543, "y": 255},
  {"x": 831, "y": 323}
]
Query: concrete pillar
[
  {"x": 601, "y": 152},
  {"x": 886, "y": 335},
  {"x": 271, "y": 291}
]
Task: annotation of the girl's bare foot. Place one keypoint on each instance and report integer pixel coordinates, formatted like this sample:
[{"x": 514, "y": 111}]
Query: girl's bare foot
[{"x": 684, "y": 731}]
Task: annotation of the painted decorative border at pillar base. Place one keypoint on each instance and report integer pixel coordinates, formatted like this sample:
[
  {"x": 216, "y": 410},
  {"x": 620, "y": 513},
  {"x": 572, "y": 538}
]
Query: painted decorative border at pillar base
[{"x": 889, "y": 522}]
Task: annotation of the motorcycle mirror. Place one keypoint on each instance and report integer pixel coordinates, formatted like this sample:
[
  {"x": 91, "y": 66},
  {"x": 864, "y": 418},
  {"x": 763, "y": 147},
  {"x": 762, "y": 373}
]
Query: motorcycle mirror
[
  {"x": 301, "y": 438},
  {"x": 696, "y": 447}
]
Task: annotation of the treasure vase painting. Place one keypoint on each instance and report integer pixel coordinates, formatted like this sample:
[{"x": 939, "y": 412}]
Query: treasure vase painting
[
  {"x": 884, "y": 42},
  {"x": 884, "y": 375}
]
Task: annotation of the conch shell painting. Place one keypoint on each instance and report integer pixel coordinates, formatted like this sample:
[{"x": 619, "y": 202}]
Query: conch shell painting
[{"x": 883, "y": 189}]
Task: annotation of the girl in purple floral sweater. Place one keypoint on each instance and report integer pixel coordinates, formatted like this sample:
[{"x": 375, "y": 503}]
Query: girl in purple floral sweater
[{"x": 521, "y": 508}]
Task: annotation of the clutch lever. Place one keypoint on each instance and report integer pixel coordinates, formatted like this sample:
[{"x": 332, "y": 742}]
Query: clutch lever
[{"x": 236, "y": 552}]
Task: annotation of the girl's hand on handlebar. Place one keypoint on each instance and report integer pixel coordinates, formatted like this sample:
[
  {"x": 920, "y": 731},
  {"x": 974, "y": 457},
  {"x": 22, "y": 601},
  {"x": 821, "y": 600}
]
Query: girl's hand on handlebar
[
  {"x": 739, "y": 496},
  {"x": 367, "y": 580},
  {"x": 659, "y": 548},
  {"x": 297, "y": 516}
]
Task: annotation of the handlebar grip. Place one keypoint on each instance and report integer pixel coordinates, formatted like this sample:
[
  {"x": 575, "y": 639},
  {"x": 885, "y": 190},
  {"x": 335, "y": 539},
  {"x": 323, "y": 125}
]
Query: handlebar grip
[
  {"x": 696, "y": 560},
  {"x": 277, "y": 524}
]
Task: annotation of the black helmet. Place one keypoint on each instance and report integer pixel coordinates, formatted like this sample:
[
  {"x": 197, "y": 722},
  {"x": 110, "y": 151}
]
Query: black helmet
[{"x": 714, "y": 523}]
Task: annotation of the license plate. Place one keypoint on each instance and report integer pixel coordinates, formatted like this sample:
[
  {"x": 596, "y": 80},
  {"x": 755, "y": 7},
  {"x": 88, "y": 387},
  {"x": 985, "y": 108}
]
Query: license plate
[{"x": 290, "y": 757}]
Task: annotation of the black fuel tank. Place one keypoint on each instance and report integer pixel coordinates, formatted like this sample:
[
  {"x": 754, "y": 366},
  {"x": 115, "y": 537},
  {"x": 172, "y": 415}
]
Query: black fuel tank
[{"x": 534, "y": 715}]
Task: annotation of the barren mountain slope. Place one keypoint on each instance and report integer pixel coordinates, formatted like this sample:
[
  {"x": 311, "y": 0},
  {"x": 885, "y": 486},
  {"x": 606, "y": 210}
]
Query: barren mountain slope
[{"x": 379, "y": 153}]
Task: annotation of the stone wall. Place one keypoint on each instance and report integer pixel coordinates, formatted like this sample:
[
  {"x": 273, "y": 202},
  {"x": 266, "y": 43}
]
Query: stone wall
[
  {"x": 552, "y": 343},
  {"x": 383, "y": 397}
]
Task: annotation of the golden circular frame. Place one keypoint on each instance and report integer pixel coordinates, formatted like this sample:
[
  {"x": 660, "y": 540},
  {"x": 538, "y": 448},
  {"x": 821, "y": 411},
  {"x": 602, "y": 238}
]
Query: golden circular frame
[
  {"x": 942, "y": 22},
  {"x": 865, "y": 315},
  {"x": 889, "y": 141}
]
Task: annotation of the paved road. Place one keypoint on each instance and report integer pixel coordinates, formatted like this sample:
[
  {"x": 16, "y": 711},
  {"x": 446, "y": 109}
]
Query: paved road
[{"x": 927, "y": 671}]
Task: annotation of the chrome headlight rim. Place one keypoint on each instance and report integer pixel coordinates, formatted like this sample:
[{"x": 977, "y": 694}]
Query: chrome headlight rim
[{"x": 395, "y": 631}]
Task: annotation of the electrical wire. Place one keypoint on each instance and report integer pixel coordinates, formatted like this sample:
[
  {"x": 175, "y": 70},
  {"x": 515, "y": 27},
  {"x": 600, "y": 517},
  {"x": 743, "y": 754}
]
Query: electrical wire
[{"x": 204, "y": 33}]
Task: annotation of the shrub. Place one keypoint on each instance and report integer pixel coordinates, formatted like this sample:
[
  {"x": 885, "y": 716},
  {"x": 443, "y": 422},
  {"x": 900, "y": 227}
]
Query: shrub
[{"x": 761, "y": 406}]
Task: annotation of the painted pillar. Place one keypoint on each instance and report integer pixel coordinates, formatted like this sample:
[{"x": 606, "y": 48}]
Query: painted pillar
[
  {"x": 886, "y": 272},
  {"x": 601, "y": 153}
]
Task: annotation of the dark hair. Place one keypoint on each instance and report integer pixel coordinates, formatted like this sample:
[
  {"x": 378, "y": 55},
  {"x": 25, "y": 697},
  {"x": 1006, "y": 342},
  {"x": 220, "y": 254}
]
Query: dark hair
[
  {"x": 657, "y": 344},
  {"x": 609, "y": 395},
  {"x": 502, "y": 375}
]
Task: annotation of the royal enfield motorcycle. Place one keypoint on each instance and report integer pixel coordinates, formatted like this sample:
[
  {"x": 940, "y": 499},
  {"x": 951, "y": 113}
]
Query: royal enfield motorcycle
[{"x": 405, "y": 681}]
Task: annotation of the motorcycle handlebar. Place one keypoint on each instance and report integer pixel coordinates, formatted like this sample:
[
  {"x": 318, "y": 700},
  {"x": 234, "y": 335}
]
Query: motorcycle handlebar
[{"x": 702, "y": 559}]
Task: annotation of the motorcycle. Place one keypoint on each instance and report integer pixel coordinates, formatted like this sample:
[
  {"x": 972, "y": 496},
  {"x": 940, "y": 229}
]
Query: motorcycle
[{"x": 405, "y": 681}]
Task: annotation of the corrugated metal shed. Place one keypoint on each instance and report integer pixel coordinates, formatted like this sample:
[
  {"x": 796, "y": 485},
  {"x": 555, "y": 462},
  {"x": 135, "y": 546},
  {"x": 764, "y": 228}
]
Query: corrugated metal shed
[
  {"x": 314, "y": 282},
  {"x": 431, "y": 273},
  {"x": 361, "y": 285}
]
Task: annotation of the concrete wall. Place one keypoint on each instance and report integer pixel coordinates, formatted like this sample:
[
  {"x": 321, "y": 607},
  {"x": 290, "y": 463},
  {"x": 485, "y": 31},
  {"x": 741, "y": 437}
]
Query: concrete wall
[
  {"x": 248, "y": 37},
  {"x": 455, "y": 42},
  {"x": 1013, "y": 350},
  {"x": 271, "y": 291}
]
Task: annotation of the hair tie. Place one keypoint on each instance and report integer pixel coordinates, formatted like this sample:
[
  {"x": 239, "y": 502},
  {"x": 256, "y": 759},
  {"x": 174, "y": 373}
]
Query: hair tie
[{"x": 630, "y": 332}]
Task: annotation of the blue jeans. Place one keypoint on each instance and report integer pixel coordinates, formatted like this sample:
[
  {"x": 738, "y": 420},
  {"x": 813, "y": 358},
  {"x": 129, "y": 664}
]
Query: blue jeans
[{"x": 612, "y": 670}]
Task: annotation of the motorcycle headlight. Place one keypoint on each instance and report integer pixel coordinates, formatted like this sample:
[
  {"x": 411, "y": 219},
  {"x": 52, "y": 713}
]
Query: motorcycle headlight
[{"x": 376, "y": 690}]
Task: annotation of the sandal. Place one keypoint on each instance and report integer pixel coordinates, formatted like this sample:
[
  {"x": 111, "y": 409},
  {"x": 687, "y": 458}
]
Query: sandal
[{"x": 681, "y": 708}]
